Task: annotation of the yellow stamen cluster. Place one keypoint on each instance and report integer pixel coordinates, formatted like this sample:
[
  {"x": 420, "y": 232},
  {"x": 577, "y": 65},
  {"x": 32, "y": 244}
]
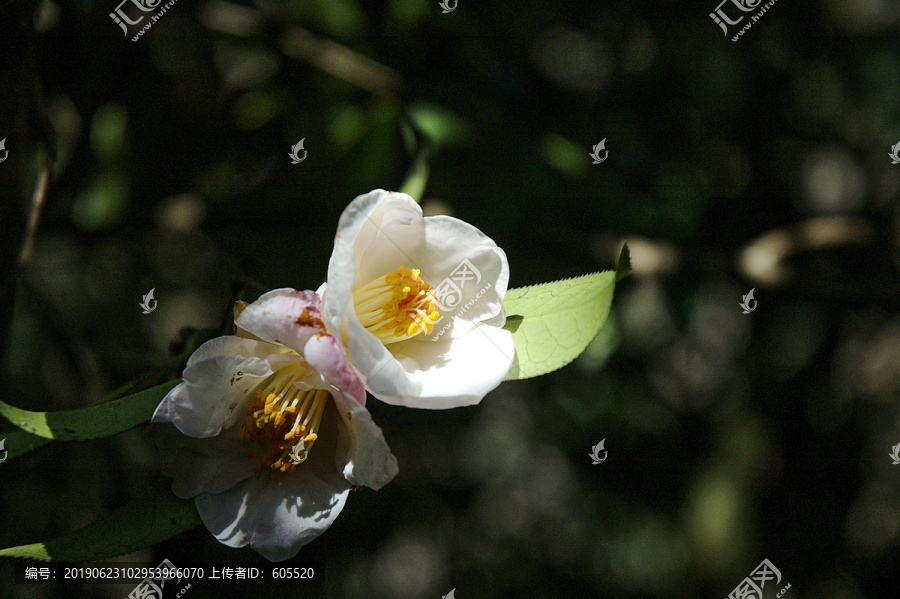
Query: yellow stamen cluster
[
  {"x": 397, "y": 306},
  {"x": 283, "y": 420}
]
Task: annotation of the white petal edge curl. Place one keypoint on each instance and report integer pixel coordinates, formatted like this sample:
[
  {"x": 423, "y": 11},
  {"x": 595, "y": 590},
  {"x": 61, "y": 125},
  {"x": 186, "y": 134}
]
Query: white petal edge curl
[
  {"x": 459, "y": 374},
  {"x": 362, "y": 454},
  {"x": 217, "y": 384}
]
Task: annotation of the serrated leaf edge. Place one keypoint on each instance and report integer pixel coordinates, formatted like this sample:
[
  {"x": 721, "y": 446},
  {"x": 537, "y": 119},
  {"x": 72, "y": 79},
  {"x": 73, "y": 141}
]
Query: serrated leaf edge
[
  {"x": 590, "y": 274},
  {"x": 605, "y": 316}
]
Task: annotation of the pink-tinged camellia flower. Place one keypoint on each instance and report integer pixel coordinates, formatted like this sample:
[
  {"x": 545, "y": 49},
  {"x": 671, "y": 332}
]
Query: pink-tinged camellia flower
[
  {"x": 272, "y": 429},
  {"x": 418, "y": 303}
]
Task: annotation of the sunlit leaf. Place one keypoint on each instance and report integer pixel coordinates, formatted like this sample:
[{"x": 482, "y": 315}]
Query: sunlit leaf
[
  {"x": 152, "y": 518},
  {"x": 441, "y": 125},
  {"x": 96, "y": 421},
  {"x": 417, "y": 178},
  {"x": 553, "y": 323}
]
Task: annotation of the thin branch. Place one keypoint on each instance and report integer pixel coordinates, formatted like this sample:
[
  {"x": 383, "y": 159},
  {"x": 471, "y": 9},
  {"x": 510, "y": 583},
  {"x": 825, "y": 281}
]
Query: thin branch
[
  {"x": 340, "y": 61},
  {"x": 38, "y": 199}
]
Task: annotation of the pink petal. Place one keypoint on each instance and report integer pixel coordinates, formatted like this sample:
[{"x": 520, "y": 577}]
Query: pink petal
[
  {"x": 283, "y": 316},
  {"x": 325, "y": 354}
]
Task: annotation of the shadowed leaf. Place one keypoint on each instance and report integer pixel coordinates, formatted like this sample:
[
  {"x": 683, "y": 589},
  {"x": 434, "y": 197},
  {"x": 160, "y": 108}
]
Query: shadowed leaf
[
  {"x": 89, "y": 423},
  {"x": 152, "y": 518}
]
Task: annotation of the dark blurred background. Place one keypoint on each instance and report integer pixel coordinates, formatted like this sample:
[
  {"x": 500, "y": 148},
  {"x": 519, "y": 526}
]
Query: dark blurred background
[{"x": 758, "y": 164}]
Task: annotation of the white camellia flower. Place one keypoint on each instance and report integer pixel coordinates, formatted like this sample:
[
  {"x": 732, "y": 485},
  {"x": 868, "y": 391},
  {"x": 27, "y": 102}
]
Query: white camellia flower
[
  {"x": 272, "y": 431},
  {"x": 418, "y": 302}
]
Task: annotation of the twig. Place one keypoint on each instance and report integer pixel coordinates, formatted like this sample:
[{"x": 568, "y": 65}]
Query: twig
[
  {"x": 340, "y": 61},
  {"x": 38, "y": 199}
]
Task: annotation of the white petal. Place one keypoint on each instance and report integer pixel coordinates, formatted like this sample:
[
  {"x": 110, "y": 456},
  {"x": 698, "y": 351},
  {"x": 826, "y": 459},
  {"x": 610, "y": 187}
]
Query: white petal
[
  {"x": 377, "y": 233},
  {"x": 230, "y": 345},
  {"x": 392, "y": 233},
  {"x": 362, "y": 453},
  {"x": 217, "y": 385},
  {"x": 368, "y": 354},
  {"x": 446, "y": 375},
  {"x": 197, "y": 466},
  {"x": 275, "y": 517},
  {"x": 283, "y": 316},
  {"x": 469, "y": 271}
]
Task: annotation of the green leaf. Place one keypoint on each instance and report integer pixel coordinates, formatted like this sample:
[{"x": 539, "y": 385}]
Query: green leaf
[
  {"x": 552, "y": 323},
  {"x": 564, "y": 155},
  {"x": 152, "y": 518},
  {"x": 18, "y": 443},
  {"x": 96, "y": 421},
  {"x": 623, "y": 265},
  {"x": 417, "y": 178},
  {"x": 440, "y": 125}
]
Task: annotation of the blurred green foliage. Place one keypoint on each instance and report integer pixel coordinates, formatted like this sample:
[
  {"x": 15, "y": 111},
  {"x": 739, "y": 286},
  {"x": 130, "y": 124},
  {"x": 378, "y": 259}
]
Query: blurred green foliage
[{"x": 757, "y": 164}]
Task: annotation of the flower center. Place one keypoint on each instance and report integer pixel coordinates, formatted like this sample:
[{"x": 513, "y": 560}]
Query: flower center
[
  {"x": 397, "y": 306},
  {"x": 283, "y": 419}
]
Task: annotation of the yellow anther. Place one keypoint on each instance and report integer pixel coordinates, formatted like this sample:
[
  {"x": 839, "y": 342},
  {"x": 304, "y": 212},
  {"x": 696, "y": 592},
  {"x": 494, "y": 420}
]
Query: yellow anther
[
  {"x": 397, "y": 306},
  {"x": 278, "y": 421}
]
